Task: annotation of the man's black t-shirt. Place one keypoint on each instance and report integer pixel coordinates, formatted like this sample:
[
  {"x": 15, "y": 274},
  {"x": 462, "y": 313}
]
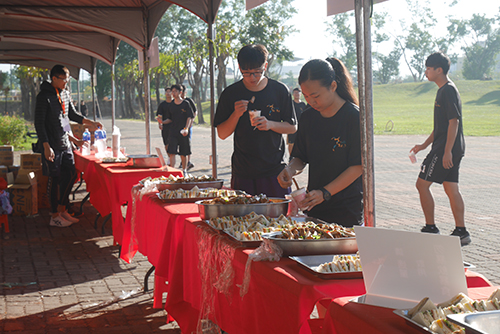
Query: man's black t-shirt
[
  {"x": 163, "y": 110},
  {"x": 447, "y": 106},
  {"x": 178, "y": 113},
  {"x": 257, "y": 154},
  {"x": 330, "y": 146},
  {"x": 299, "y": 109}
]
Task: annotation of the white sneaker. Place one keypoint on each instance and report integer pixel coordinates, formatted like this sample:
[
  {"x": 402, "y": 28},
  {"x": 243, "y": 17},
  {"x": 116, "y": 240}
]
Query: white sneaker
[
  {"x": 59, "y": 221},
  {"x": 65, "y": 215}
]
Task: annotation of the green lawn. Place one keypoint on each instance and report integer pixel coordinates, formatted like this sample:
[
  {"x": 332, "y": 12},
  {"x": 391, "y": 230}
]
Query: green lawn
[{"x": 408, "y": 108}]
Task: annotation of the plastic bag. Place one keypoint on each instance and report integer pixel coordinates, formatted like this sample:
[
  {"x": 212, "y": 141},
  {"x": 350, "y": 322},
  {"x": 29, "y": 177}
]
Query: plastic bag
[
  {"x": 5, "y": 208},
  {"x": 267, "y": 251}
]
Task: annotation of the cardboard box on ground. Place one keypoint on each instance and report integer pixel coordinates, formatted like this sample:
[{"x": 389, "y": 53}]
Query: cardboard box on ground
[
  {"x": 33, "y": 162},
  {"x": 6, "y": 155},
  {"x": 23, "y": 193}
]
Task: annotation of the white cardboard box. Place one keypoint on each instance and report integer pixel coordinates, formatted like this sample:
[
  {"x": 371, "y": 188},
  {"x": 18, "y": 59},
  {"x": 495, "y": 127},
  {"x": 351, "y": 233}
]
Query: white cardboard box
[{"x": 401, "y": 268}]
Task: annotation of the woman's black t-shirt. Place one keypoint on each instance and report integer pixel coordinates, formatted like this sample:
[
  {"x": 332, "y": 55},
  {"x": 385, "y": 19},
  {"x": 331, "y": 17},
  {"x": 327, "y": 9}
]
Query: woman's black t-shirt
[{"x": 330, "y": 146}]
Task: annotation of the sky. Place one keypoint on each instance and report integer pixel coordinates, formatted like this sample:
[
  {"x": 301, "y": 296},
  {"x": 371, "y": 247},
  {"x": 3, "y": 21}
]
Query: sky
[{"x": 313, "y": 42}]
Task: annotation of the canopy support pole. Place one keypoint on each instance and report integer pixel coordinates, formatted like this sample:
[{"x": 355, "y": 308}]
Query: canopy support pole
[
  {"x": 365, "y": 86},
  {"x": 113, "y": 110},
  {"x": 211, "y": 36},
  {"x": 147, "y": 100}
]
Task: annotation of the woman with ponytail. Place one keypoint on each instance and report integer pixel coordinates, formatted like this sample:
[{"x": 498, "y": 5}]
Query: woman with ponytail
[{"x": 328, "y": 139}]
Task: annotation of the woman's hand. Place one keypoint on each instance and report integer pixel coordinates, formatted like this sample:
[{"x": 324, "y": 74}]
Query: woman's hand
[{"x": 313, "y": 198}]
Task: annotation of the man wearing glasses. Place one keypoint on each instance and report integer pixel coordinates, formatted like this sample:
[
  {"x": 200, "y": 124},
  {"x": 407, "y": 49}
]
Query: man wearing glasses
[
  {"x": 259, "y": 147},
  {"x": 53, "y": 112}
]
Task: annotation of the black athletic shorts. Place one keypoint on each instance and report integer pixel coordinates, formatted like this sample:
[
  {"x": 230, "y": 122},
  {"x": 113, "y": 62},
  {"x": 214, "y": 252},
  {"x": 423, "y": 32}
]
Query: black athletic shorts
[
  {"x": 165, "y": 133},
  {"x": 178, "y": 144},
  {"x": 432, "y": 169}
]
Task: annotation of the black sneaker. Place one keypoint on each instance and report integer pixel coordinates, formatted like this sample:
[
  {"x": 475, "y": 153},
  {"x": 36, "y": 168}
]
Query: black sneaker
[
  {"x": 180, "y": 166},
  {"x": 190, "y": 165},
  {"x": 430, "y": 229},
  {"x": 463, "y": 234}
]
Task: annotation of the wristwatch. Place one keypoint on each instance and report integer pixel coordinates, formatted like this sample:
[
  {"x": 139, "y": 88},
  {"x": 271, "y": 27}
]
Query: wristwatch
[{"x": 326, "y": 194}]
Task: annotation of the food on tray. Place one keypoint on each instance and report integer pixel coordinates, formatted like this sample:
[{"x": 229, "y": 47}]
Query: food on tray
[
  {"x": 250, "y": 227},
  {"x": 195, "y": 193},
  {"x": 340, "y": 264},
  {"x": 317, "y": 231},
  {"x": 114, "y": 159},
  {"x": 241, "y": 199},
  {"x": 427, "y": 314},
  {"x": 182, "y": 179}
]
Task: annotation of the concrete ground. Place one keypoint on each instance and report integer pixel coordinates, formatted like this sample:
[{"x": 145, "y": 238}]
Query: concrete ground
[{"x": 71, "y": 280}]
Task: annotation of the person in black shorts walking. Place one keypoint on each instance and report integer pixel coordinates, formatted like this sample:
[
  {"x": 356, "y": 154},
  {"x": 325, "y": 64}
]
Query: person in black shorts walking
[
  {"x": 161, "y": 116},
  {"x": 180, "y": 116},
  {"x": 448, "y": 147}
]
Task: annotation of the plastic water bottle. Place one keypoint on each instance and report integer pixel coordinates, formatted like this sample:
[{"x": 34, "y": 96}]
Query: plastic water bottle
[
  {"x": 116, "y": 141},
  {"x": 86, "y": 142},
  {"x": 100, "y": 141}
]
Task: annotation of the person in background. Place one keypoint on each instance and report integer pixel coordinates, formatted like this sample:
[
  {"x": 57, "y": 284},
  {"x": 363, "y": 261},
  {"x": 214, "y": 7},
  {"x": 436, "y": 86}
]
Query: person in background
[
  {"x": 180, "y": 116},
  {"x": 259, "y": 147},
  {"x": 299, "y": 108},
  {"x": 193, "y": 106},
  {"x": 329, "y": 141},
  {"x": 161, "y": 116},
  {"x": 83, "y": 108},
  {"x": 53, "y": 112},
  {"x": 448, "y": 147}
]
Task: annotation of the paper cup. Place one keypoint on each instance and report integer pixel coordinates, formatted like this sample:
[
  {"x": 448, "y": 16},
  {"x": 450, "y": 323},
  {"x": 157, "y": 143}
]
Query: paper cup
[
  {"x": 253, "y": 114},
  {"x": 299, "y": 195},
  {"x": 413, "y": 157}
]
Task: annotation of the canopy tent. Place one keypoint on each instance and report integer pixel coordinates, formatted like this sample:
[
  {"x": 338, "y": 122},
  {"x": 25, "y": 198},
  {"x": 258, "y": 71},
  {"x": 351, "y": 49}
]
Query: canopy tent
[{"x": 82, "y": 25}]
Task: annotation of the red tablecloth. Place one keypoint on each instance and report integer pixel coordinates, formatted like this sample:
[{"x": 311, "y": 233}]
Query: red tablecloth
[
  {"x": 345, "y": 317},
  {"x": 280, "y": 297},
  {"x": 109, "y": 186},
  {"x": 156, "y": 231}
]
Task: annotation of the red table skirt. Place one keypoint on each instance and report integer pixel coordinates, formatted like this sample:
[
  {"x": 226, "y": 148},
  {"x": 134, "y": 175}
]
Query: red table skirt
[
  {"x": 345, "y": 317},
  {"x": 110, "y": 186},
  {"x": 280, "y": 297}
]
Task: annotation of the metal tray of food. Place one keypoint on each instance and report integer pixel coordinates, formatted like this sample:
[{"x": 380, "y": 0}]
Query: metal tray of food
[
  {"x": 277, "y": 207},
  {"x": 292, "y": 247},
  {"x": 246, "y": 244},
  {"x": 144, "y": 161},
  {"x": 404, "y": 314},
  {"x": 487, "y": 322},
  {"x": 181, "y": 200},
  {"x": 311, "y": 263},
  {"x": 190, "y": 185}
]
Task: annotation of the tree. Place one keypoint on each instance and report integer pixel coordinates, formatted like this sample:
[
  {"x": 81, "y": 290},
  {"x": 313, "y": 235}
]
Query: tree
[
  {"x": 339, "y": 28},
  {"x": 388, "y": 66},
  {"x": 416, "y": 42},
  {"x": 226, "y": 44},
  {"x": 481, "y": 45},
  {"x": 266, "y": 25},
  {"x": 29, "y": 79}
]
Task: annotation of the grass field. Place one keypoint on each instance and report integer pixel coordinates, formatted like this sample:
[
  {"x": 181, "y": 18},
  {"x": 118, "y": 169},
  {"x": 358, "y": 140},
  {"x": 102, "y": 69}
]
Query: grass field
[{"x": 408, "y": 108}]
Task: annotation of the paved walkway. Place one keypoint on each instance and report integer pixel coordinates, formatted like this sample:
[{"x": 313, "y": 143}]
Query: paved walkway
[{"x": 72, "y": 281}]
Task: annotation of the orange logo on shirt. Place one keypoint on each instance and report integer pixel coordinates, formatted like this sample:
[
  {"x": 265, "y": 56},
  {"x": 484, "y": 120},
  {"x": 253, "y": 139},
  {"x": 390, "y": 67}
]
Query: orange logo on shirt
[
  {"x": 338, "y": 143},
  {"x": 272, "y": 109}
]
